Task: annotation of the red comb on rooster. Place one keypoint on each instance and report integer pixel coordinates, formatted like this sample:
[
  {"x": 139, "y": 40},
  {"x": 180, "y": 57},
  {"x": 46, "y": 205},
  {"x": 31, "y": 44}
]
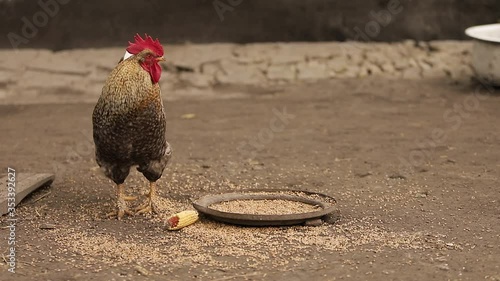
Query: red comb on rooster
[{"x": 147, "y": 43}]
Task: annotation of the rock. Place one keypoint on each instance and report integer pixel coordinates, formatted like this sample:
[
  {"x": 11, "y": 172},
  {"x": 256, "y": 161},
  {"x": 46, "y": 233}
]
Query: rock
[
  {"x": 312, "y": 70},
  {"x": 211, "y": 68},
  {"x": 54, "y": 76},
  {"x": 188, "y": 116},
  {"x": 20, "y": 59},
  {"x": 388, "y": 67},
  {"x": 441, "y": 259},
  {"x": 168, "y": 82},
  {"x": 412, "y": 73},
  {"x": 198, "y": 80},
  {"x": 354, "y": 51},
  {"x": 377, "y": 57},
  {"x": 421, "y": 195},
  {"x": 461, "y": 71},
  {"x": 48, "y": 226},
  {"x": 409, "y": 43},
  {"x": 45, "y": 80},
  {"x": 451, "y": 46},
  {"x": 350, "y": 72},
  {"x": 424, "y": 65},
  {"x": 368, "y": 68},
  {"x": 412, "y": 62},
  {"x": 436, "y": 70},
  {"x": 396, "y": 176},
  {"x": 286, "y": 72},
  {"x": 343, "y": 67},
  {"x": 363, "y": 174},
  {"x": 256, "y": 53},
  {"x": 141, "y": 270},
  {"x": 401, "y": 64},
  {"x": 338, "y": 64},
  {"x": 236, "y": 73},
  {"x": 278, "y": 53},
  {"x": 296, "y": 52},
  {"x": 194, "y": 55},
  {"x": 455, "y": 65},
  {"x": 314, "y": 222},
  {"x": 7, "y": 77},
  {"x": 3, "y": 93},
  {"x": 495, "y": 277},
  {"x": 444, "y": 267},
  {"x": 66, "y": 65}
]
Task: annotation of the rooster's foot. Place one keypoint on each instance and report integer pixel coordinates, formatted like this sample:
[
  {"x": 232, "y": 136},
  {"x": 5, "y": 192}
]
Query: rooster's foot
[
  {"x": 146, "y": 208},
  {"x": 122, "y": 208},
  {"x": 149, "y": 206},
  {"x": 120, "y": 213}
]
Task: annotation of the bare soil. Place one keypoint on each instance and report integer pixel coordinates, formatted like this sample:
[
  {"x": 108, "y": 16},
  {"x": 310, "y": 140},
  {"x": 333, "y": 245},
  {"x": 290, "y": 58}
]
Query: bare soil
[{"x": 414, "y": 166}]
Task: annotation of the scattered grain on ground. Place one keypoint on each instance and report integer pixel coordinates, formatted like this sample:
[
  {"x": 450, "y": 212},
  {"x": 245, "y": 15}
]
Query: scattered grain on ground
[
  {"x": 264, "y": 207},
  {"x": 100, "y": 243}
]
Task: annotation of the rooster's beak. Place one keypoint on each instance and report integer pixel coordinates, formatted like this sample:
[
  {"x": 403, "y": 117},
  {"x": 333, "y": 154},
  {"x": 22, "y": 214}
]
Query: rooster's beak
[{"x": 160, "y": 59}]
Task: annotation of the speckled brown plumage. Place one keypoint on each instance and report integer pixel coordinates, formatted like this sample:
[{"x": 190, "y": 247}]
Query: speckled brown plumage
[{"x": 129, "y": 123}]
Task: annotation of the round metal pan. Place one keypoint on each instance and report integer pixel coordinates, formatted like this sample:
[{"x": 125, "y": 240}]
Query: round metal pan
[{"x": 328, "y": 205}]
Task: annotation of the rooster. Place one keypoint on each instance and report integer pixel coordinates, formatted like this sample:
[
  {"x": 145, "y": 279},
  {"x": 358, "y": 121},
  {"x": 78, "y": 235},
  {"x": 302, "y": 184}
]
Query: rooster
[{"x": 129, "y": 122}]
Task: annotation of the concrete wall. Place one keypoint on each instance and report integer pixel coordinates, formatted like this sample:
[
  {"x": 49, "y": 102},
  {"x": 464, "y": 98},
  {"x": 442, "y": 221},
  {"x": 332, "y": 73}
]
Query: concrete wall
[{"x": 81, "y": 24}]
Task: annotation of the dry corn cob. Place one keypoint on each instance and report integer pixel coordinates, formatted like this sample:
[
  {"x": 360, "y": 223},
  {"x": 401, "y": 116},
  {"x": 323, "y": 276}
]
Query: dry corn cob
[{"x": 182, "y": 219}]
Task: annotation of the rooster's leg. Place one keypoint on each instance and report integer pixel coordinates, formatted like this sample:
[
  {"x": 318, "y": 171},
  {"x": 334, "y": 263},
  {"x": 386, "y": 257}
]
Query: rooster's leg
[
  {"x": 148, "y": 206},
  {"x": 121, "y": 203}
]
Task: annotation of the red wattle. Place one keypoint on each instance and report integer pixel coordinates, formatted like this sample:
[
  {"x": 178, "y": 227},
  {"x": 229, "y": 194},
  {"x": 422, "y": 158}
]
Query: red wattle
[{"x": 154, "y": 71}]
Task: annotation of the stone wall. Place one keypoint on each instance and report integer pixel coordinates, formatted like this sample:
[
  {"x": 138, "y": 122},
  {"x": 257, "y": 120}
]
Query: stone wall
[
  {"x": 205, "y": 70},
  {"x": 63, "y": 24}
]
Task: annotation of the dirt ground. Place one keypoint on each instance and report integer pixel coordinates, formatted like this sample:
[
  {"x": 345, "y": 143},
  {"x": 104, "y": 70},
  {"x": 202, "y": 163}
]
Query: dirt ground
[{"x": 414, "y": 165}]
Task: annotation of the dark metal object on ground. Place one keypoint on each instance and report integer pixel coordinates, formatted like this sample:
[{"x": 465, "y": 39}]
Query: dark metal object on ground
[
  {"x": 25, "y": 183},
  {"x": 326, "y": 203}
]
